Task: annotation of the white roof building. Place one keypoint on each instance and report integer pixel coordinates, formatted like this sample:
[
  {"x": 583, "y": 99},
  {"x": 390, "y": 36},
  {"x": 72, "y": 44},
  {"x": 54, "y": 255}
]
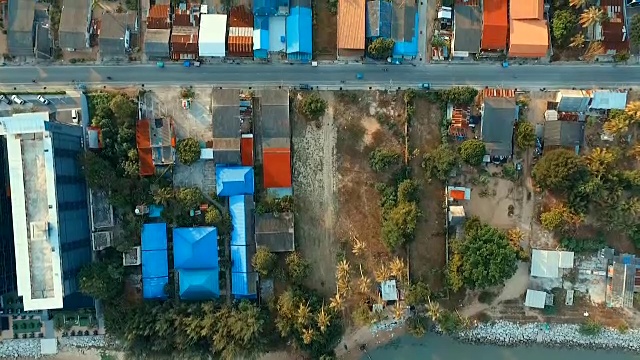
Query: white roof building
[
  {"x": 535, "y": 299},
  {"x": 547, "y": 263},
  {"x": 213, "y": 35},
  {"x": 389, "y": 290}
]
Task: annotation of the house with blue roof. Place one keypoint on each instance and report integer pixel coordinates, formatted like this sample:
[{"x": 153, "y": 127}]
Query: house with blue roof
[
  {"x": 195, "y": 257},
  {"x": 299, "y": 34},
  {"x": 261, "y": 37},
  {"x": 243, "y": 277},
  {"x": 404, "y": 31},
  {"x": 234, "y": 180},
  {"x": 155, "y": 264}
]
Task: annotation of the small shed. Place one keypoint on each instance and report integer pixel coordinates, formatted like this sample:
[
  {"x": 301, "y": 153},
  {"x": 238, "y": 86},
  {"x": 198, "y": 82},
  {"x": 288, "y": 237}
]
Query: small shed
[
  {"x": 563, "y": 133},
  {"x": 458, "y": 193},
  {"x": 609, "y": 100},
  {"x": 573, "y": 100},
  {"x": 275, "y": 232},
  {"x": 456, "y": 215},
  {"x": 389, "y": 290},
  {"x": 49, "y": 346},
  {"x": 536, "y": 299},
  {"x": 547, "y": 263}
]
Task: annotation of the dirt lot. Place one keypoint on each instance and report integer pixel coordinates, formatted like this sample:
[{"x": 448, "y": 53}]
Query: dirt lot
[
  {"x": 427, "y": 253},
  {"x": 325, "y": 31}
]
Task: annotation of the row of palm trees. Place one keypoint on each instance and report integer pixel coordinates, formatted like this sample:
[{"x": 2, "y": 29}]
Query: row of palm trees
[
  {"x": 590, "y": 16},
  {"x": 620, "y": 121}
]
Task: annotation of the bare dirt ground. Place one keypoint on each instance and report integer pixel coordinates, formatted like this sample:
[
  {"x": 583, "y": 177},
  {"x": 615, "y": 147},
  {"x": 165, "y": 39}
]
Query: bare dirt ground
[
  {"x": 314, "y": 169},
  {"x": 325, "y": 31},
  {"x": 427, "y": 253}
]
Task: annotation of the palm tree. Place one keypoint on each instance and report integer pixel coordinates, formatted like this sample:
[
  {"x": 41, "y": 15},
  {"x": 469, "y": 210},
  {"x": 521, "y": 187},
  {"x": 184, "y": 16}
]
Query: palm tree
[
  {"x": 382, "y": 273},
  {"x": 599, "y": 160},
  {"x": 577, "y": 41},
  {"x": 324, "y": 319},
  {"x": 578, "y": 3},
  {"x": 358, "y": 247},
  {"x": 364, "y": 284},
  {"x": 163, "y": 195},
  {"x": 434, "y": 310},
  {"x": 398, "y": 312},
  {"x": 595, "y": 48},
  {"x": 633, "y": 109},
  {"x": 307, "y": 336},
  {"x": 342, "y": 270},
  {"x": 337, "y": 302},
  {"x": 303, "y": 314},
  {"x": 617, "y": 125},
  {"x": 635, "y": 151},
  {"x": 397, "y": 268},
  {"x": 592, "y": 16},
  {"x": 343, "y": 286}
]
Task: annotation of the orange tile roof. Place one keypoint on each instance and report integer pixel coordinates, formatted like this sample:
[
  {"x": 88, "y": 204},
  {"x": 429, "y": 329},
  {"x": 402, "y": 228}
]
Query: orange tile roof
[
  {"x": 143, "y": 131},
  {"x": 158, "y": 17},
  {"x": 495, "y": 26},
  {"x": 246, "y": 151},
  {"x": 351, "y": 20},
  {"x": 456, "y": 194},
  {"x": 526, "y": 9},
  {"x": 277, "y": 168},
  {"x": 528, "y": 38}
]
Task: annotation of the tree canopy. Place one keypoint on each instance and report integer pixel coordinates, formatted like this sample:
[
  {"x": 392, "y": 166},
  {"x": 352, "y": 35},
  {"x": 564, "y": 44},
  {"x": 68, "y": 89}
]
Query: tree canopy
[
  {"x": 459, "y": 95},
  {"x": 484, "y": 257},
  {"x": 558, "y": 170},
  {"x": 559, "y": 218},
  {"x": 381, "y": 159},
  {"x": 399, "y": 224},
  {"x": 439, "y": 162},
  {"x": 634, "y": 35},
  {"x": 563, "y": 26},
  {"x": 525, "y": 135},
  {"x": 313, "y": 106},
  {"x": 381, "y": 48},
  {"x": 472, "y": 151},
  {"x": 188, "y": 151},
  {"x": 297, "y": 268},
  {"x": 264, "y": 261},
  {"x": 101, "y": 280}
]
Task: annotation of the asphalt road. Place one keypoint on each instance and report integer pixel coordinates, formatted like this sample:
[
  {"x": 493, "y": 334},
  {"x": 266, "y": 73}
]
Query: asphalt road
[{"x": 245, "y": 75}]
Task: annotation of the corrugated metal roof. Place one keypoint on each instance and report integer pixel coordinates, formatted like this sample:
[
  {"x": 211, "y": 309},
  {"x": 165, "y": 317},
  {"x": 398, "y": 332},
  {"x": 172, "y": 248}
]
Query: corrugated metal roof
[
  {"x": 614, "y": 37},
  {"x": 526, "y": 9},
  {"x": 508, "y": 93},
  {"x": 277, "y": 168},
  {"x": 467, "y": 29},
  {"x": 240, "y": 16},
  {"x": 146, "y": 162},
  {"x": 468, "y": 2},
  {"x": 154, "y": 264},
  {"x": 153, "y": 288},
  {"x": 240, "y": 40},
  {"x": 246, "y": 150},
  {"x": 275, "y": 231},
  {"x": 195, "y": 248},
  {"x": 142, "y": 134},
  {"x": 298, "y": 31},
  {"x": 154, "y": 237},
  {"x": 495, "y": 27},
  {"x": 351, "y": 24},
  {"x": 234, "y": 180},
  {"x": 608, "y": 100},
  {"x": 241, "y": 209},
  {"x": 158, "y": 17},
  {"x": 244, "y": 285}
]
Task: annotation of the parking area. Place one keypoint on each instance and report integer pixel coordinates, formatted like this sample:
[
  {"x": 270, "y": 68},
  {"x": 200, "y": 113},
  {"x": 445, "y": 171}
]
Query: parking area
[{"x": 56, "y": 103}]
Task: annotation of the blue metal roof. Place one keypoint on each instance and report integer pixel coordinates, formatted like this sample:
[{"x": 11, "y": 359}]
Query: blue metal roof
[
  {"x": 379, "y": 19},
  {"x": 261, "y": 40},
  {"x": 261, "y": 23},
  {"x": 155, "y": 211},
  {"x": 264, "y": 7},
  {"x": 155, "y": 264},
  {"x": 243, "y": 285},
  {"x": 153, "y": 288},
  {"x": 405, "y": 48},
  {"x": 234, "y": 180},
  {"x": 199, "y": 284},
  {"x": 195, "y": 248},
  {"x": 238, "y": 208},
  {"x": 299, "y": 38},
  {"x": 240, "y": 261},
  {"x": 154, "y": 236}
]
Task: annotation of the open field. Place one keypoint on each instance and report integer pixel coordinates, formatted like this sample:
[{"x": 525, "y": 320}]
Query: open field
[{"x": 325, "y": 31}]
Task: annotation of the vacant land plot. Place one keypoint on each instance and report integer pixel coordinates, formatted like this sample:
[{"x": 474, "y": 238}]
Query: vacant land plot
[
  {"x": 314, "y": 169},
  {"x": 427, "y": 253},
  {"x": 325, "y": 31}
]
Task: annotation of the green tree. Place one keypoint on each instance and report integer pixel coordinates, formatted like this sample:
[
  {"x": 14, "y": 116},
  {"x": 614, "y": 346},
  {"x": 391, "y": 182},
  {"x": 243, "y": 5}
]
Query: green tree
[
  {"x": 417, "y": 325},
  {"x": 212, "y": 216},
  {"x": 188, "y": 151},
  {"x": 381, "y": 48},
  {"x": 399, "y": 225},
  {"x": 634, "y": 35},
  {"x": 241, "y": 333},
  {"x": 264, "y": 261},
  {"x": 487, "y": 258},
  {"x": 123, "y": 109},
  {"x": 101, "y": 280},
  {"x": 563, "y": 26},
  {"x": 313, "y": 106},
  {"x": 99, "y": 173},
  {"x": 559, "y": 218},
  {"x": 382, "y": 159},
  {"x": 472, "y": 151},
  {"x": 298, "y": 268},
  {"x": 189, "y": 197},
  {"x": 408, "y": 191},
  {"x": 162, "y": 196},
  {"x": 558, "y": 170},
  {"x": 440, "y": 162},
  {"x": 525, "y": 135},
  {"x": 418, "y": 294},
  {"x": 459, "y": 95}
]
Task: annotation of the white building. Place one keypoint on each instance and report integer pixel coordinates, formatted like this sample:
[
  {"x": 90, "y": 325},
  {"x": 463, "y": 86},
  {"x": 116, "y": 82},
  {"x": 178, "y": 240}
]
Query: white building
[
  {"x": 213, "y": 35},
  {"x": 547, "y": 263}
]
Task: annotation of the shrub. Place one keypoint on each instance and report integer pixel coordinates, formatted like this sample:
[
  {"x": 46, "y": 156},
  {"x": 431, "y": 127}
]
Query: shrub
[
  {"x": 381, "y": 48},
  {"x": 382, "y": 159},
  {"x": 590, "y": 328},
  {"x": 313, "y": 106},
  {"x": 212, "y": 216},
  {"x": 472, "y": 151},
  {"x": 188, "y": 151},
  {"x": 264, "y": 261}
]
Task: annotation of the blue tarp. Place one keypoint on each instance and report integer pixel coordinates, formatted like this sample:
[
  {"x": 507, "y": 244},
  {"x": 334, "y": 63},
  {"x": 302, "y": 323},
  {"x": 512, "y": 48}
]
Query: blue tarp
[
  {"x": 199, "y": 284},
  {"x": 237, "y": 208},
  {"x": 195, "y": 248},
  {"x": 239, "y": 259},
  {"x": 153, "y": 288},
  {"x": 243, "y": 285},
  {"x": 379, "y": 18},
  {"x": 234, "y": 180},
  {"x": 155, "y": 264},
  {"x": 154, "y": 236},
  {"x": 407, "y": 49},
  {"x": 299, "y": 37}
]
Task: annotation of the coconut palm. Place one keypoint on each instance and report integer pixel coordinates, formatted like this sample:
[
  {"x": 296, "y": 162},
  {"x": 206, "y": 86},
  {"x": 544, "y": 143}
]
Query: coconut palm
[
  {"x": 342, "y": 270},
  {"x": 307, "y": 336},
  {"x": 358, "y": 247},
  {"x": 382, "y": 273},
  {"x": 578, "y": 3},
  {"x": 635, "y": 151},
  {"x": 577, "y": 41},
  {"x": 364, "y": 284},
  {"x": 633, "y": 109},
  {"x": 433, "y": 310},
  {"x": 397, "y": 268},
  {"x": 343, "y": 286},
  {"x": 337, "y": 302},
  {"x": 324, "y": 319},
  {"x": 595, "y": 48},
  {"x": 592, "y": 16},
  {"x": 163, "y": 195},
  {"x": 617, "y": 125},
  {"x": 304, "y": 314},
  {"x": 599, "y": 160}
]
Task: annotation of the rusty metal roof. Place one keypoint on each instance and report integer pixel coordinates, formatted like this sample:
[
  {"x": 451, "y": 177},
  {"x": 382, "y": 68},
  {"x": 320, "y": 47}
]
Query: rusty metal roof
[
  {"x": 501, "y": 93},
  {"x": 158, "y": 17}
]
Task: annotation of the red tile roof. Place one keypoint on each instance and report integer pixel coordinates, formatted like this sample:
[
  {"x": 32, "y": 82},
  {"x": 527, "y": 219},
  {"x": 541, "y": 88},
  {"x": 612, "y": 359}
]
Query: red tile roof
[
  {"x": 277, "y": 168},
  {"x": 495, "y": 26}
]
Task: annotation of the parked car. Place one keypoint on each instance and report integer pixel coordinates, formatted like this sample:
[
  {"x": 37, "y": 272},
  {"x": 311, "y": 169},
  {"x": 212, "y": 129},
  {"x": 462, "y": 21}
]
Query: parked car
[
  {"x": 5, "y": 99},
  {"x": 17, "y": 99},
  {"x": 74, "y": 116},
  {"x": 43, "y": 100}
]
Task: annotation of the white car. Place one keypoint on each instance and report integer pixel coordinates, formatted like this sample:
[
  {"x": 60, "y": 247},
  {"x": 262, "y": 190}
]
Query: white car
[
  {"x": 17, "y": 99},
  {"x": 43, "y": 100}
]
